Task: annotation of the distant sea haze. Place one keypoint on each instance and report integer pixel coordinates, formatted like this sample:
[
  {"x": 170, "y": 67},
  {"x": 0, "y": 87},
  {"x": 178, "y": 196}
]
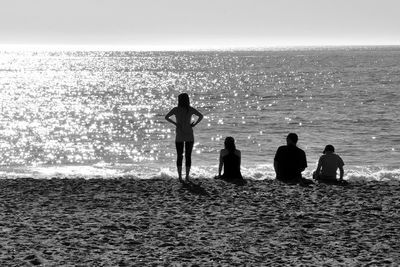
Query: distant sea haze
[{"x": 101, "y": 114}]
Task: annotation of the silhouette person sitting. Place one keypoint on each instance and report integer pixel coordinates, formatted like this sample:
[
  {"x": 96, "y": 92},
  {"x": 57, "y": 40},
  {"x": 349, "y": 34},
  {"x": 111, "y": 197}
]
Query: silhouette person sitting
[
  {"x": 184, "y": 132},
  {"x": 328, "y": 164},
  {"x": 290, "y": 161},
  {"x": 230, "y": 159}
]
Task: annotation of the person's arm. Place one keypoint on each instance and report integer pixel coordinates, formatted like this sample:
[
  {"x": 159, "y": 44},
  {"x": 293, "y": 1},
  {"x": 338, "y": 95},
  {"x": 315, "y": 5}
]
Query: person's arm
[
  {"x": 304, "y": 165},
  {"x": 199, "y": 117},
  {"x": 340, "y": 166},
  {"x": 318, "y": 171},
  {"x": 276, "y": 167},
  {"x": 341, "y": 173},
  {"x": 168, "y": 116},
  {"x": 221, "y": 163},
  {"x": 240, "y": 157}
]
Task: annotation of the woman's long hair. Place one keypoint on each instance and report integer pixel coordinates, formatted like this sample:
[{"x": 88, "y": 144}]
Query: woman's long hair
[
  {"x": 183, "y": 101},
  {"x": 230, "y": 144}
]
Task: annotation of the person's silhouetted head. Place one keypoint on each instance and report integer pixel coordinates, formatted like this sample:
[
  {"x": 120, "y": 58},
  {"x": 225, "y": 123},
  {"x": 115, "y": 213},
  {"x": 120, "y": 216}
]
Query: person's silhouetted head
[
  {"x": 292, "y": 138},
  {"x": 329, "y": 148},
  {"x": 230, "y": 144},
  {"x": 183, "y": 101}
]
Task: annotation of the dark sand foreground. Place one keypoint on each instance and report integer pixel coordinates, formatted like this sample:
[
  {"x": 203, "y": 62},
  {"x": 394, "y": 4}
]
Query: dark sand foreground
[{"x": 128, "y": 222}]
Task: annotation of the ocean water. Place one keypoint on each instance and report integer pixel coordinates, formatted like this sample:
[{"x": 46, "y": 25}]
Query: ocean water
[{"x": 101, "y": 114}]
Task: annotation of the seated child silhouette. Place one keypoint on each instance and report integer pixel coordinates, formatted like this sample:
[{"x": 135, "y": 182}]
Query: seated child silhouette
[{"x": 328, "y": 164}]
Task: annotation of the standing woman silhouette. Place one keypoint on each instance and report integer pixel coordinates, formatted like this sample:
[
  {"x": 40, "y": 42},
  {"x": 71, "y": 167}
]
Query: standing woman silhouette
[{"x": 184, "y": 132}]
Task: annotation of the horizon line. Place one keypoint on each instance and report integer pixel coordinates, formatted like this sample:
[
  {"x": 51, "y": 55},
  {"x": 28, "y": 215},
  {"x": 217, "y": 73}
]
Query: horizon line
[{"x": 172, "y": 48}]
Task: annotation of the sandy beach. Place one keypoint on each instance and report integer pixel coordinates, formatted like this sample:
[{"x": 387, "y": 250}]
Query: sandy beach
[{"x": 158, "y": 222}]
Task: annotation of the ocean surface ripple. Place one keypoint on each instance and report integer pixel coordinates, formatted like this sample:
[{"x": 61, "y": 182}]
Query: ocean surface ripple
[{"x": 101, "y": 114}]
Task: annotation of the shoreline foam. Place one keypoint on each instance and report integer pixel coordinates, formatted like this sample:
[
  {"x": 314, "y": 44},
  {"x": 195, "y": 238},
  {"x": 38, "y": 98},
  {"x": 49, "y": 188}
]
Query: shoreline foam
[{"x": 144, "y": 171}]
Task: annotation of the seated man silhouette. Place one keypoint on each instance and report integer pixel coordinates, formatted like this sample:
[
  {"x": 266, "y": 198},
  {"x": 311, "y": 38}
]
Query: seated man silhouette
[
  {"x": 328, "y": 164},
  {"x": 290, "y": 161}
]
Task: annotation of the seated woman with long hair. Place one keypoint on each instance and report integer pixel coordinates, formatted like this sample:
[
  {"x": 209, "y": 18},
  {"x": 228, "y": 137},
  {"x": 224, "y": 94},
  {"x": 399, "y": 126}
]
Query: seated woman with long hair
[{"x": 230, "y": 159}]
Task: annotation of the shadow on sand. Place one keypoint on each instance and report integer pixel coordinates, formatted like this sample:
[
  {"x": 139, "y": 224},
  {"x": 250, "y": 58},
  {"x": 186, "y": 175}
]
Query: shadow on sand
[
  {"x": 238, "y": 182},
  {"x": 333, "y": 182},
  {"x": 301, "y": 182},
  {"x": 195, "y": 189}
]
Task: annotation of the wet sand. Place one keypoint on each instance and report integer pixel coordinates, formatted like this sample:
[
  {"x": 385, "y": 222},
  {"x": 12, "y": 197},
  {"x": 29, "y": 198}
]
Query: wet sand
[{"x": 158, "y": 222}]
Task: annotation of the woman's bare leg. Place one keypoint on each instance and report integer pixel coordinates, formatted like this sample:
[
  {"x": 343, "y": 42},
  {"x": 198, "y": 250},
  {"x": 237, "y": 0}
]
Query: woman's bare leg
[
  {"x": 179, "y": 159},
  {"x": 188, "y": 158}
]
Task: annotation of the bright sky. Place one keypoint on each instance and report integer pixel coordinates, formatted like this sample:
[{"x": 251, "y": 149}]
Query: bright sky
[{"x": 167, "y": 24}]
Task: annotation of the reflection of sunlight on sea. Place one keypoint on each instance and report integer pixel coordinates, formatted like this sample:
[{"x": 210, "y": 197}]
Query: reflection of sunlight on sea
[{"x": 60, "y": 110}]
